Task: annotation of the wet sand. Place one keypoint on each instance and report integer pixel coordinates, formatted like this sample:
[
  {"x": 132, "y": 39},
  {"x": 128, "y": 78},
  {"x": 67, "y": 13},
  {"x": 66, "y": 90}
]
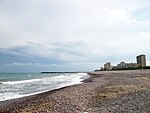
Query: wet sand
[{"x": 103, "y": 92}]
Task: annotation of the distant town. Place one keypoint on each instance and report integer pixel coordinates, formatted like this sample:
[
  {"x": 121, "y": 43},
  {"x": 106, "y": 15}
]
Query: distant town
[{"x": 140, "y": 64}]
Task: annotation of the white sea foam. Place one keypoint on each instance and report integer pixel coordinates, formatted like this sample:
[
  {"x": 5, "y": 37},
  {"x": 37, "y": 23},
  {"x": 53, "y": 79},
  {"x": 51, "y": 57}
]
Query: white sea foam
[
  {"x": 21, "y": 82},
  {"x": 28, "y": 75},
  {"x": 18, "y": 89}
]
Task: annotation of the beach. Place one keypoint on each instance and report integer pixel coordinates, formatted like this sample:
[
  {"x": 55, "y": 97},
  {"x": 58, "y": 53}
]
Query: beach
[{"x": 103, "y": 92}]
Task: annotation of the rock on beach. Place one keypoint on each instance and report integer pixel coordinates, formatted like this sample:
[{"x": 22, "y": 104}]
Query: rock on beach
[{"x": 103, "y": 92}]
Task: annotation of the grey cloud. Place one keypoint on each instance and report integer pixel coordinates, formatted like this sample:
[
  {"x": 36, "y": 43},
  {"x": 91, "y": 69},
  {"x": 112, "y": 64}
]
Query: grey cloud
[
  {"x": 74, "y": 30},
  {"x": 67, "y": 51}
]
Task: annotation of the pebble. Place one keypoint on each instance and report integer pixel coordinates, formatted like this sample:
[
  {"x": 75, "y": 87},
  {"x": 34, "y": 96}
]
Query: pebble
[{"x": 78, "y": 98}]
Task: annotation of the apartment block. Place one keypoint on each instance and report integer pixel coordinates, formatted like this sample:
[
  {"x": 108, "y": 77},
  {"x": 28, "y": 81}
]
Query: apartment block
[{"x": 141, "y": 60}]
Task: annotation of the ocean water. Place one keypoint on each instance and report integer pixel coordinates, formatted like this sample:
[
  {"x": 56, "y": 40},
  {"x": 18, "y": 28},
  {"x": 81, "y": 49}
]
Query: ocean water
[{"x": 16, "y": 85}]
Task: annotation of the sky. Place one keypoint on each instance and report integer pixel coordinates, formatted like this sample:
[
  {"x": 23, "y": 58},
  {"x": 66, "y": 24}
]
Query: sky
[{"x": 72, "y": 35}]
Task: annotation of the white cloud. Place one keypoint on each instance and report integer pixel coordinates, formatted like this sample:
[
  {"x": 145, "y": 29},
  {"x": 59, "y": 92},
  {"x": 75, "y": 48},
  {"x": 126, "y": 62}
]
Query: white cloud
[
  {"x": 52, "y": 29},
  {"x": 21, "y": 64}
]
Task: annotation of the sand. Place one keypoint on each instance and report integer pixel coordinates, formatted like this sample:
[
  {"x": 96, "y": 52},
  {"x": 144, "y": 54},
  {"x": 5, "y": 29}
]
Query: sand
[{"x": 103, "y": 92}]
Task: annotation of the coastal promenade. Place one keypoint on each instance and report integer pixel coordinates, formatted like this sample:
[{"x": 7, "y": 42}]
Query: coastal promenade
[{"x": 103, "y": 92}]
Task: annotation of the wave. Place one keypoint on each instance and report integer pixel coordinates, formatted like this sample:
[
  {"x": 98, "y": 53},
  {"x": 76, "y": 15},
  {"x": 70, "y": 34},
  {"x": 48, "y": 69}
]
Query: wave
[
  {"x": 28, "y": 75},
  {"x": 39, "y": 85},
  {"x": 20, "y": 82}
]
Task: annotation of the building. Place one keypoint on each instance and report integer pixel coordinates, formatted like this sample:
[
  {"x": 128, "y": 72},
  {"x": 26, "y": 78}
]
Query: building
[
  {"x": 131, "y": 65},
  {"x": 123, "y": 65},
  {"x": 108, "y": 66},
  {"x": 141, "y": 60}
]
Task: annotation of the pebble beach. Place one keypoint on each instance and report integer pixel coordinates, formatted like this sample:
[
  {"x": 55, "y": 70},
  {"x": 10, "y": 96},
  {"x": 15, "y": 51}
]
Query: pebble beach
[{"x": 102, "y": 92}]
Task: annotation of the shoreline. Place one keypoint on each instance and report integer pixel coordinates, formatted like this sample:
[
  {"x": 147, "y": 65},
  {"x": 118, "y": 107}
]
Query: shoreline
[
  {"x": 21, "y": 100},
  {"x": 94, "y": 94},
  {"x": 73, "y": 80},
  {"x": 8, "y": 105}
]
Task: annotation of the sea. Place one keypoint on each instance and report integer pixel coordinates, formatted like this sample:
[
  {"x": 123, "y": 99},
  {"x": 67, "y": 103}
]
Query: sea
[{"x": 17, "y": 85}]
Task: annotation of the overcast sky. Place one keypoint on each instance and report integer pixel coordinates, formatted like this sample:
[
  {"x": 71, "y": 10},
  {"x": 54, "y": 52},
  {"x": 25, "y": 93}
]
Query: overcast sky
[{"x": 72, "y": 35}]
